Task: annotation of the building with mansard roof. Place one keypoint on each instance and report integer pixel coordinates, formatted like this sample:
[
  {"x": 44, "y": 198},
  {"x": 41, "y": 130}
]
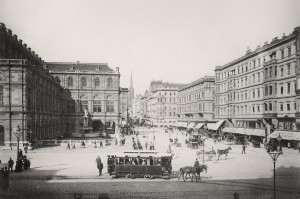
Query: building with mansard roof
[{"x": 94, "y": 87}]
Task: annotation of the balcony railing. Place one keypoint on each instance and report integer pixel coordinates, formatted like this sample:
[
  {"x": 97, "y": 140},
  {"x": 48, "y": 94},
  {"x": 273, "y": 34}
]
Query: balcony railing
[{"x": 273, "y": 61}]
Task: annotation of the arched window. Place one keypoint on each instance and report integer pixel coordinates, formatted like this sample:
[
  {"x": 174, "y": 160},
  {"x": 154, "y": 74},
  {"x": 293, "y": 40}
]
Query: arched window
[
  {"x": 97, "y": 82},
  {"x": 109, "y": 82},
  {"x": 70, "y": 81},
  {"x": 83, "y": 81}
]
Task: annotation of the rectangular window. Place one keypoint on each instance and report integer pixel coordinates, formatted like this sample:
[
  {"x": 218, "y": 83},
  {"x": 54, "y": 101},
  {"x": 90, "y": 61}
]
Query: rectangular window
[
  {"x": 258, "y": 109},
  {"x": 84, "y": 105},
  {"x": 288, "y": 69},
  {"x": 282, "y": 54},
  {"x": 281, "y": 71},
  {"x": 253, "y": 109},
  {"x": 270, "y": 90},
  {"x": 97, "y": 106},
  {"x": 288, "y": 87},
  {"x": 281, "y": 90},
  {"x": 281, "y": 107},
  {"x": 275, "y": 71},
  {"x": 110, "y": 107},
  {"x": 289, "y": 51},
  {"x": 275, "y": 88},
  {"x": 288, "y": 107}
]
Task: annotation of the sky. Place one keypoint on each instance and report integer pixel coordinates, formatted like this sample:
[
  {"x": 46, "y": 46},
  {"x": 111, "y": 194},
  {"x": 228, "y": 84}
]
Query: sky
[{"x": 175, "y": 41}]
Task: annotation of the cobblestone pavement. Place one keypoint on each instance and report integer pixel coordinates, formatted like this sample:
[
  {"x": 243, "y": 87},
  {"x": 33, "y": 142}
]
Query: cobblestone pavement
[
  {"x": 145, "y": 189},
  {"x": 52, "y": 167}
]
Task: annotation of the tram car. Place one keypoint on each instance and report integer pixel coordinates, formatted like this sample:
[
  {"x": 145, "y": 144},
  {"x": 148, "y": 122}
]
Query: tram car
[{"x": 136, "y": 164}]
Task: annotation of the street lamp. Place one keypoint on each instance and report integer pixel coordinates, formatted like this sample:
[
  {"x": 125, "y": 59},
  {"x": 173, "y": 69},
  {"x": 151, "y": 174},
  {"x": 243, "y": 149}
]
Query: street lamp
[
  {"x": 274, "y": 155},
  {"x": 18, "y": 134}
]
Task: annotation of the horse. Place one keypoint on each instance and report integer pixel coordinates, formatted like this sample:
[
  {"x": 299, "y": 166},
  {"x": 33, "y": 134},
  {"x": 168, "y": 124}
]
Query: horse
[
  {"x": 223, "y": 152},
  {"x": 191, "y": 170}
]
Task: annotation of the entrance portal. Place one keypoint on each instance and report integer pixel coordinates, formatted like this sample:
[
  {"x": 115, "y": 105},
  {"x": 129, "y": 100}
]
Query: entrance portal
[
  {"x": 1, "y": 135},
  {"x": 97, "y": 125}
]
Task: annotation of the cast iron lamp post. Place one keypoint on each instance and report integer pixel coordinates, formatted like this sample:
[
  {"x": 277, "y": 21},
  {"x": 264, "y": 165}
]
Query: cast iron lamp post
[
  {"x": 18, "y": 134},
  {"x": 274, "y": 155}
]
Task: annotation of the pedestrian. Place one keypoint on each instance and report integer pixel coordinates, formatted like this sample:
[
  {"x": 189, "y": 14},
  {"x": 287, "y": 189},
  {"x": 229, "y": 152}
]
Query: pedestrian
[
  {"x": 98, "y": 162},
  {"x": 10, "y": 164},
  {"x": 95, "y": 144},
  {"x": 101, "y": 145},
  {"x": 73, "y": 146},
  {"x": 68, "y": 146},
  {"x": 146, "y": 145},
  {"x": 25, "y": 148},
  {"x": 289, "y": 145},
  {"x": 244, "y": 149}
]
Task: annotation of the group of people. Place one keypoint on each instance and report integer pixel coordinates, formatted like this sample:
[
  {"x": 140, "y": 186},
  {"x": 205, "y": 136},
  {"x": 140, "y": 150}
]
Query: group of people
[
  {"x": 138, "y": 146},
  {"x": 22, "y": 163},
  {"x": 83, "y": 145}
]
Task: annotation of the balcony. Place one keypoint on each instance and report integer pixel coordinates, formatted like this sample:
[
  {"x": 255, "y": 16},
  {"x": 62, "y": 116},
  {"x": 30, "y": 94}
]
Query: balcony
[
  {"x": 273, "y": 61},
  {"x": 269, "y": 115}
]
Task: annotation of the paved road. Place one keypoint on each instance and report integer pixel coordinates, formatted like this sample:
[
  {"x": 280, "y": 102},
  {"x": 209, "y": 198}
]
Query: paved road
[{"x": 139, "y": 188}]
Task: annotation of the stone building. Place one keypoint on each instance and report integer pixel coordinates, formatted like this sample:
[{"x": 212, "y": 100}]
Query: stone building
[
  {"x": 196, "y": 100},
  {"x": 124, "y": 105},
  {"x": 162, "y": 103},
  {"x": 258, "y": 90},
  {"x": 29, "y": 96},
  {"x": 94, "y": 87}
]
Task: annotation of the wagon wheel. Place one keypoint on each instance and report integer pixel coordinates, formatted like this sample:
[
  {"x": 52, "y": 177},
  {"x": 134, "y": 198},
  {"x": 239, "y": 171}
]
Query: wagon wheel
[
  {"x": 132, "y": 176},
  {"x": 127, "y": 176}
]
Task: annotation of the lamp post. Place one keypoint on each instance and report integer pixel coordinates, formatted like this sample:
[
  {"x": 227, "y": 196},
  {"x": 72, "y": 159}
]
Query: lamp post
[
  {"x": 274, "y": 155},
  {"x": 205, "y": 128},
  {"x": 18, "y": 134}
]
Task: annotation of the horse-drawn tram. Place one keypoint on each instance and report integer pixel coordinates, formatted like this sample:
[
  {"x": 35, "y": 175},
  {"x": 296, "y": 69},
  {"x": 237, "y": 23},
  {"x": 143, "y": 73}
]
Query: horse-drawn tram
[{"x": 147, "y": 164}]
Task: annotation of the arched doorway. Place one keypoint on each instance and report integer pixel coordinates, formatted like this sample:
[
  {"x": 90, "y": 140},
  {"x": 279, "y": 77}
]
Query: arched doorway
[
  {"x": 1, "y": 135},
  {"x": 97, "y": 125}
]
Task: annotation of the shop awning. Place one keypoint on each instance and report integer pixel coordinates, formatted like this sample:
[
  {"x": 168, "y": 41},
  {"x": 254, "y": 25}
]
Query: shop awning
[
  {"x": 183, "y": 124},
  {"x": 258, "y": 132},
  {"x": 239, "y": 130},
  {"x": 229, "y": 130},
  {"x": 191, "y": 125},
  {"x": 215, "y": 126},
  {"x": 286, "y": 135},
  {"x": 211, "y": 126},
  {"x": 199, "y": 125}
]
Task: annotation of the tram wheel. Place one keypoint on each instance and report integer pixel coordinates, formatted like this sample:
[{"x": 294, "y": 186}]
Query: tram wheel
[{"x": 132, "y": 176}]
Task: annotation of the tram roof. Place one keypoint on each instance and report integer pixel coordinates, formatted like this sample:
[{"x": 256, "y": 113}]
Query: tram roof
[{"x": 144, "y": 153}]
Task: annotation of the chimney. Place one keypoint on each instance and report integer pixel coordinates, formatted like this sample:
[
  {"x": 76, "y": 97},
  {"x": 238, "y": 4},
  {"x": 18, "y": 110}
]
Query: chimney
[
  {"x": 25, "y": 45},
  {"x": 29, "y": 49},
  {"x": 20, "y": 42},
  {"x": 15, "y": 37},
  {"x": 9, "y": 32}
]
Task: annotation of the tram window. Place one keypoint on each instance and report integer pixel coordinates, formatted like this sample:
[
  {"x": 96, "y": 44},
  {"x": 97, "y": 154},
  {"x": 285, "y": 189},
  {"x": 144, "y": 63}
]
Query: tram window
[
  {"x": 126, "y": 161},
  {"x": 151, "y": 161},
  {"x": 135, "y": 161},
  {"x": 121, "y": 161},
  {"x": 140, "y": 161}
]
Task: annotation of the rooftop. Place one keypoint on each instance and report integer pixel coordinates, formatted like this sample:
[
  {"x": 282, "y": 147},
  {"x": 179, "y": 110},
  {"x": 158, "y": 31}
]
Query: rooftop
[
  {"x": 76, "y": 66},
  {"x": 198, "y": 81}
]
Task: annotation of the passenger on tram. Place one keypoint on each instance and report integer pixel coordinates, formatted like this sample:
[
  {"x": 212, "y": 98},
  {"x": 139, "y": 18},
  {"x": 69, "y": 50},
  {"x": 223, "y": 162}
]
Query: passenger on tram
[
  {"x": 135, "y": 161},
  {"x": 143, "y": 163}
]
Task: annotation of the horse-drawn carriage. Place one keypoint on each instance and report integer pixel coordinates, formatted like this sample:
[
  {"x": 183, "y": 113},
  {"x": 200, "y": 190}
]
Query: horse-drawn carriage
[{"x": 148, "y": 164}]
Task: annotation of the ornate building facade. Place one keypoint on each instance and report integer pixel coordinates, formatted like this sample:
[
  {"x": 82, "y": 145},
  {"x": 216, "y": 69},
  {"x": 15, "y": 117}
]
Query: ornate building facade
[
  {"x": 41, "y": 100},
  {"x": 124, "y": 105},
  {"x": 30, "y": 98},
  {"x": 162, "y": 103},
  {"x": 259, "y": 89},
  {"x": 93, "y": 87},
  {"x": 196, "y": 100}
]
